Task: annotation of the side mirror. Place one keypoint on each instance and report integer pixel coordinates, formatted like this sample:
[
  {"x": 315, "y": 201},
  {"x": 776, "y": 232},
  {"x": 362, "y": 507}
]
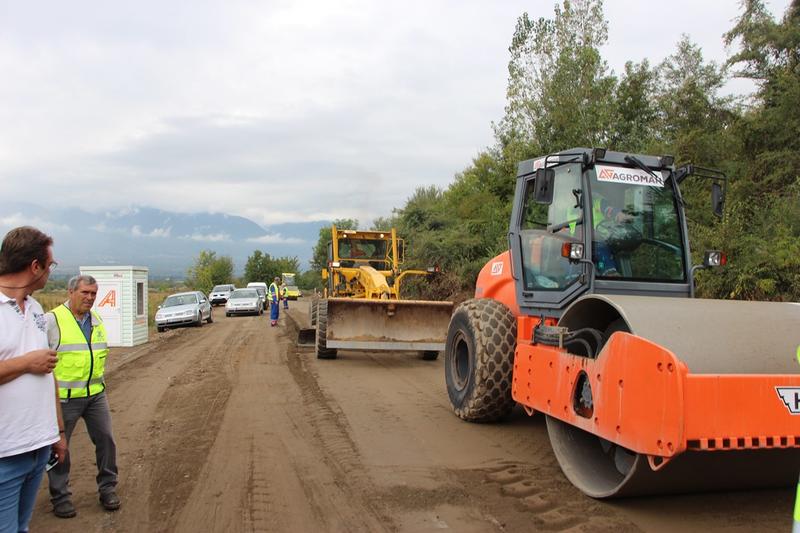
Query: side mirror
[
  {"x": 543, "y": 186},
  {"x": 717, "y": 199}
]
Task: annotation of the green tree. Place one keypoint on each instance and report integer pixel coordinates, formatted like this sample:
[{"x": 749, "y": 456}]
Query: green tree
[
  {"x": 770, "y": 56},
  {"x": 559, "y": 86},
  {"x": 258, "y": 268},
  {"x": 761, "y": 231},
  {"x": 636, "y": 122},
  {"x": 309, "y": 280},
  {"x": 261, "y": 267},
  {"x": 209, "y": 270}
]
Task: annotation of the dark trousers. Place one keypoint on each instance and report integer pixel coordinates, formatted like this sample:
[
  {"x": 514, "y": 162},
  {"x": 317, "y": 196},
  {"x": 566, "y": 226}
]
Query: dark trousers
[{"x": 97, "y": 417}]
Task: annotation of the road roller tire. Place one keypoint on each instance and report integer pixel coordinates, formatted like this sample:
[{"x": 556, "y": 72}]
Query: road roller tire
[
  {"x": 479, "y": 359},
  {"x": 323, "y": 352}
]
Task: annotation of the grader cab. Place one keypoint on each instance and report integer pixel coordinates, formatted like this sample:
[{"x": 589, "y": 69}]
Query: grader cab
[
  {"x": 362, "y": 307},
  {"x": 590, "y": 319}
]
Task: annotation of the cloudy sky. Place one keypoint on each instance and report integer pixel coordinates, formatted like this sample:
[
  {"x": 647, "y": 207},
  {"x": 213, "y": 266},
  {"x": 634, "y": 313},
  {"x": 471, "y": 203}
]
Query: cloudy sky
[{"x": 277, "y": 110}]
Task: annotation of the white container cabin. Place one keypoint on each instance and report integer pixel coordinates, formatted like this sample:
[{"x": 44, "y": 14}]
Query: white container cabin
[{"x": 121, "y": 302}]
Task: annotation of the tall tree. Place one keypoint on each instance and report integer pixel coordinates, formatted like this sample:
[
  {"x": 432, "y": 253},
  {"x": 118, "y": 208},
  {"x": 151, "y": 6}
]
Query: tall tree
[
  {"x": 762, "y": 227},
  {"x": 770, "y": 56},
  {"x": 209, "y": 270},
  {"x": 559, "y": 86},
  {"x": 261, "y": 267},
  {"x": 636, "y": 122}
]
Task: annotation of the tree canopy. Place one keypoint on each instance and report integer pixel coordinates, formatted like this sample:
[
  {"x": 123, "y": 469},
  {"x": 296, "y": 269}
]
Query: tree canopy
[
  {"x": 562, "y": 94},
  {"x": 261, "y": 266},
  {"x": 208, "y": 270}
]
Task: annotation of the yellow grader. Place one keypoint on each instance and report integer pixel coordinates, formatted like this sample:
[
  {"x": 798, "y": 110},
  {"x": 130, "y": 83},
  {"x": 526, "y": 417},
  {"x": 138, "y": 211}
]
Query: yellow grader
[
  {"x": 362, "y": 307},
  {"x": 590, "y": 319}
]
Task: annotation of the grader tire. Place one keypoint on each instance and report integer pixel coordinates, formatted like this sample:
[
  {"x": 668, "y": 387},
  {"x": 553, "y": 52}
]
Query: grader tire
[
  {"x": 323, "y": 352},
  {"x": 312, "y": 311},
  {"x": 479, "y": 359}
]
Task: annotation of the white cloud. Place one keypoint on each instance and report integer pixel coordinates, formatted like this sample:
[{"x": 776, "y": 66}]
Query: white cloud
[
  {"x": 276, "y": 238},
  {"x": 15, "y": 220},
  {"x": 136, "y": 231},
  {"x": 278, "y": 111},
  {"x": 212, "y": 237}
]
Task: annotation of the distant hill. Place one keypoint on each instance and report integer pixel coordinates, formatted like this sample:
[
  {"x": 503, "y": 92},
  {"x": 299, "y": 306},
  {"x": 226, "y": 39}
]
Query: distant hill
[{"x": 164, "y": 241}]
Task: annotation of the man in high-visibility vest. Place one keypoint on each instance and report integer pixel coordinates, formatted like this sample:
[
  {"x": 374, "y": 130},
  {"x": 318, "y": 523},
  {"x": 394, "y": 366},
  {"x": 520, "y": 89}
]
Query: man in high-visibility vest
[
  {"x": 274, "y": 298},
  {"x": 79, "y": 337},
  {"x": 285, "y": 296},
  {"x": 610, "y": 216}
]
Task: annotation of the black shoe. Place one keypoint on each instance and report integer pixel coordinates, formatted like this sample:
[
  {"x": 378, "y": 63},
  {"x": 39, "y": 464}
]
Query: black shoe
[
  {"x": 110, "y": 501},
  {"x": 64, "y": 509}
]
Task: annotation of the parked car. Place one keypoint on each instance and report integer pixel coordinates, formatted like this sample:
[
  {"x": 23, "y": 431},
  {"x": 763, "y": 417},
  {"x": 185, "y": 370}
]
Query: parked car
[
  {"x": 220, "y": 293},
  {"x": 182, "y": 309},
  {"x": 244, "y": 301},
  {"x": 261, "y": 287}
]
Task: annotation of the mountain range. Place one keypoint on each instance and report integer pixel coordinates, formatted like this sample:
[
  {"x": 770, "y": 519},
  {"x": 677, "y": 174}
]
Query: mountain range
[{"x": 166, "y": 242}]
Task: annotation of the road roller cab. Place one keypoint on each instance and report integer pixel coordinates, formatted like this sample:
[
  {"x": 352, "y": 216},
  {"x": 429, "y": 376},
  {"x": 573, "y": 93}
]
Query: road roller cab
[{"x": 590, "y": 319}]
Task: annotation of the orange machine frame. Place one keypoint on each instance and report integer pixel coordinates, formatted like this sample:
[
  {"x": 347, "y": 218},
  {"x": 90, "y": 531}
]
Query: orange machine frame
[{"x": 646, "y": 400}]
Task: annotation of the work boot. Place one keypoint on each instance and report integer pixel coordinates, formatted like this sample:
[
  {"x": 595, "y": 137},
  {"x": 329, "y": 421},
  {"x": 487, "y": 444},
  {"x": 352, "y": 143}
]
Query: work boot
[
  {"x": 110, "y": 501},
  {"x": 64, "y": 509}
]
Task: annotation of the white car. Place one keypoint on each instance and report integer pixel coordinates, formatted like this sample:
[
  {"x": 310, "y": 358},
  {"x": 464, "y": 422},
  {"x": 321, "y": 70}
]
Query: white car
[
  {"x": 182, "y": 309},
  {"x": 244, "y": 301},
  {"x": 220, "y": 293},
  {"x": 261, "y": 287}
]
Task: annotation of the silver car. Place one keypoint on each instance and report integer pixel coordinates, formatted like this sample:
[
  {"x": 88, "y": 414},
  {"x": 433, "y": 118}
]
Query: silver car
[
  {"x": 182, "y": 309},
  {"x": 244, "y": 301}
]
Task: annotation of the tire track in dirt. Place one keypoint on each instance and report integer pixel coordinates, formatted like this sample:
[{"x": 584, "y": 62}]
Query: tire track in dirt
[
  {"x": 331, "y": 432},
  {"x": 512, "y": 495},
  {"x": 185, "y": 425}
]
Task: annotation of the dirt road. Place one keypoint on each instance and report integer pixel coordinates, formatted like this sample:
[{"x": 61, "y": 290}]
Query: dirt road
[{"x": 231, "y": 427}]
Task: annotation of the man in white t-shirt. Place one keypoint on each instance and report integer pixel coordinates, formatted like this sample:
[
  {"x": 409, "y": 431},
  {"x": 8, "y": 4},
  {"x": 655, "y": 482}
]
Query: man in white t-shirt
[{"x": 30, "y": 414}]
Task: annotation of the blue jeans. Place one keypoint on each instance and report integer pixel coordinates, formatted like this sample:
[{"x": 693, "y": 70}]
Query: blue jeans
[
  {"x": 603, "y": 257},
  {"x": 20, "y": 476},
  {"x": 274, "y": 310}
]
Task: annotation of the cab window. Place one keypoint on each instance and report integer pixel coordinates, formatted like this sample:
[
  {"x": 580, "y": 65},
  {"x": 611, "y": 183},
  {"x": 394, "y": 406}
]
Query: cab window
[{"x": 545, "y": 228}]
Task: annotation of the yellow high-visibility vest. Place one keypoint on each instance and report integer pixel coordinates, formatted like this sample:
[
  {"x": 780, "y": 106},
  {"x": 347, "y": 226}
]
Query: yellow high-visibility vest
[{"x": 80, "y": 367}]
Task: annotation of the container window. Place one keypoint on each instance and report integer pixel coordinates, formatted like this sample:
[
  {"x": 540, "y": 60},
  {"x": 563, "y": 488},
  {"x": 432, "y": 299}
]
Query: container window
[{"x": 139, "y": 298}]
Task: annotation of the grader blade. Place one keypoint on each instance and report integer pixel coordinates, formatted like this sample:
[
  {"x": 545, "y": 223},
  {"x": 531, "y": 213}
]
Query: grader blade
[{"x": 361, "y": 324}]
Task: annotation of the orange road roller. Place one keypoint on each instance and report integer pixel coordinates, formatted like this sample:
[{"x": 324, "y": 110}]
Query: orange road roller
[{"x": 590, "y": 319}]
